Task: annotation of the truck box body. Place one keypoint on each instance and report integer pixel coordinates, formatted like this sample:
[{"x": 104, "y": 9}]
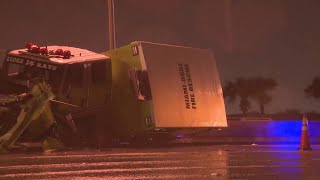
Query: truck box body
[{"x": 165, "y": 86}]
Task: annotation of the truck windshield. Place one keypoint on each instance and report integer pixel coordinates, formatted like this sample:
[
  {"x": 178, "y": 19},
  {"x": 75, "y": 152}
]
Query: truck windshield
[{"x": 20, "y": 74}]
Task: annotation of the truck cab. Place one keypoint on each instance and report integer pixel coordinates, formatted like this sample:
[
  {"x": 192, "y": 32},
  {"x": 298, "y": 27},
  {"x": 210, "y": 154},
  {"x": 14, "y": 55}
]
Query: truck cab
[{"x": 79, "y": 78}]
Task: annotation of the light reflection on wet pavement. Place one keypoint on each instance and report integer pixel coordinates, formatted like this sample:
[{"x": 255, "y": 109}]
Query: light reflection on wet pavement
[{"x": 183, "y": 162}]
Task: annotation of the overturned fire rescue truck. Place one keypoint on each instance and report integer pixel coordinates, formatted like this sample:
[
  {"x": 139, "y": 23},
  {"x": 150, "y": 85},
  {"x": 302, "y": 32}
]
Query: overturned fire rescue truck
[{"x": 140, "y": 92}]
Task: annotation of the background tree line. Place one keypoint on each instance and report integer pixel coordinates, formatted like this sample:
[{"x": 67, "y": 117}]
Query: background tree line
[{"x": 258, "y": 89}]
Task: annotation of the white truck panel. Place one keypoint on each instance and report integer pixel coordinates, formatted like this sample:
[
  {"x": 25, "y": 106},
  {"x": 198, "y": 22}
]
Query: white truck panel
[{"x": 185, "y": 86}]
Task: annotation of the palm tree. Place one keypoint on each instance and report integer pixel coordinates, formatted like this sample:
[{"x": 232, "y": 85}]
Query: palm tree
[
  {"x": 256, "y": 88},
  {"x": 239, "y": 88},
  {"x": 260, "y": 91},
  {"x": 313, "y": 90}
]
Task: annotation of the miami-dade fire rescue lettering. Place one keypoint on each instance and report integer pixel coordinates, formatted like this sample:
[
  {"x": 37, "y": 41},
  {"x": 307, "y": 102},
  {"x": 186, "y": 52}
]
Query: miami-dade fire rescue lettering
[
  {"x": 187, "y": 86},
  {"x": 31, "y": 63}
]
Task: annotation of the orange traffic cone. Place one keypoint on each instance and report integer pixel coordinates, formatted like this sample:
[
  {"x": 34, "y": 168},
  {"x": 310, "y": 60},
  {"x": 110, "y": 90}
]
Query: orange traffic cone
[{"x": 304, "y": 140}]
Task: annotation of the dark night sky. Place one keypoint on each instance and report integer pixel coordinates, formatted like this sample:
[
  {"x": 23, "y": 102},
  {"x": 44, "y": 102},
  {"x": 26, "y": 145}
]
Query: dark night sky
[{"x": 271, "y": 38}]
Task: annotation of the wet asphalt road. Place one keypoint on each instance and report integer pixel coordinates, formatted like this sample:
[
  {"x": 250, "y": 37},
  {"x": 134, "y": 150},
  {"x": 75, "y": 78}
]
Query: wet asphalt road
[{"x": 182, "y": 162}]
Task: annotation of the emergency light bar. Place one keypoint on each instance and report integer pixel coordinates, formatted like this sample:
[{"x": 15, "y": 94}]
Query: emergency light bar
[{"x": 44, "y": 51}]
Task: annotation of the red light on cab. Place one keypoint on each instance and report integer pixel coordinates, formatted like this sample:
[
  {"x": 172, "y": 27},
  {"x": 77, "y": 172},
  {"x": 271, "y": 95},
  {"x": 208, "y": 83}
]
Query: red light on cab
[
  {"x": 44, "y": 51},
  {"x": 58, "y": 52},
  {"x": 66, "y": 54},
  {"x": 29, "y": 45},
  {"x": 35, "y": 49}
]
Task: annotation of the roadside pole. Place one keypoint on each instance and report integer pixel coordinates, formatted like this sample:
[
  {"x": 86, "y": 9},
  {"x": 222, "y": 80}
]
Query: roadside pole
[{"x": 111, "y": 27}]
